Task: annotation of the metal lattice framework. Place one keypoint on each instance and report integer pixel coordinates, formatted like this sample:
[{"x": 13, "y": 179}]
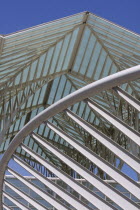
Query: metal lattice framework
[
  {"x": 54, "y": 122},
  {"x": 81, "y": 94}
]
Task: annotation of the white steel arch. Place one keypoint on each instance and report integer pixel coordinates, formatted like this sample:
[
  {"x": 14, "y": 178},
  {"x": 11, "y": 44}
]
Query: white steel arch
[{"x": 110, "y": 82}]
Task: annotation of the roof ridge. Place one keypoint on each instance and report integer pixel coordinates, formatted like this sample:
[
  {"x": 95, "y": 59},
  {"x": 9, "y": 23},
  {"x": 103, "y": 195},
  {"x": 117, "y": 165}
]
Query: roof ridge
[
  {"x": 42, "y": 24},
  {"x": 66, "y": 17}
]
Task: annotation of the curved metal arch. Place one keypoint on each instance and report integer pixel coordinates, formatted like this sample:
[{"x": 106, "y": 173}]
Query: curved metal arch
[
  {"x": 10, "y": 83},
  {"x": 15, "y": 110},
  {"x": 81, "y": 94}
]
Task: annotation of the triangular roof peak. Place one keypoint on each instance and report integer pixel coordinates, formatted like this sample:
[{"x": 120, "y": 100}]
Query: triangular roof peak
[{"x": 74, "y": 16}]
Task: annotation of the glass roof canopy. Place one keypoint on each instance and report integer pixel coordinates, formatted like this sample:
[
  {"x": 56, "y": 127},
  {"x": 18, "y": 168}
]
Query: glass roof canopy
[{"x": 40, "y": 65}]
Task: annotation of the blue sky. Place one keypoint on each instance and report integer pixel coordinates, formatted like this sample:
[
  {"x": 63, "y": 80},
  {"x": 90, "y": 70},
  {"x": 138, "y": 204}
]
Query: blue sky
[{"x": 20, "y": 14}]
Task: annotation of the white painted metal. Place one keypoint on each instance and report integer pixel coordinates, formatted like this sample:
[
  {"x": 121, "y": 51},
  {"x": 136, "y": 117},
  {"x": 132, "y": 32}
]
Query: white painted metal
[
  {"x": 81, "y": 94},
  {"x": 125, "y": 181},
  {"x": 15, "y": 201},
  {"x": 6, "y": 207},
  {"x": 39, "y": 191},
  {"x": 24, "y": 196},
  {"x": 114, "y": 147},
  {"x": 88, "y": 195},
  {"x": 60, "y": 191},
  {"x": 127, "y": 97},
  {"x": 91, "y": 178},
  {"x": 128, "y": 131}
]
